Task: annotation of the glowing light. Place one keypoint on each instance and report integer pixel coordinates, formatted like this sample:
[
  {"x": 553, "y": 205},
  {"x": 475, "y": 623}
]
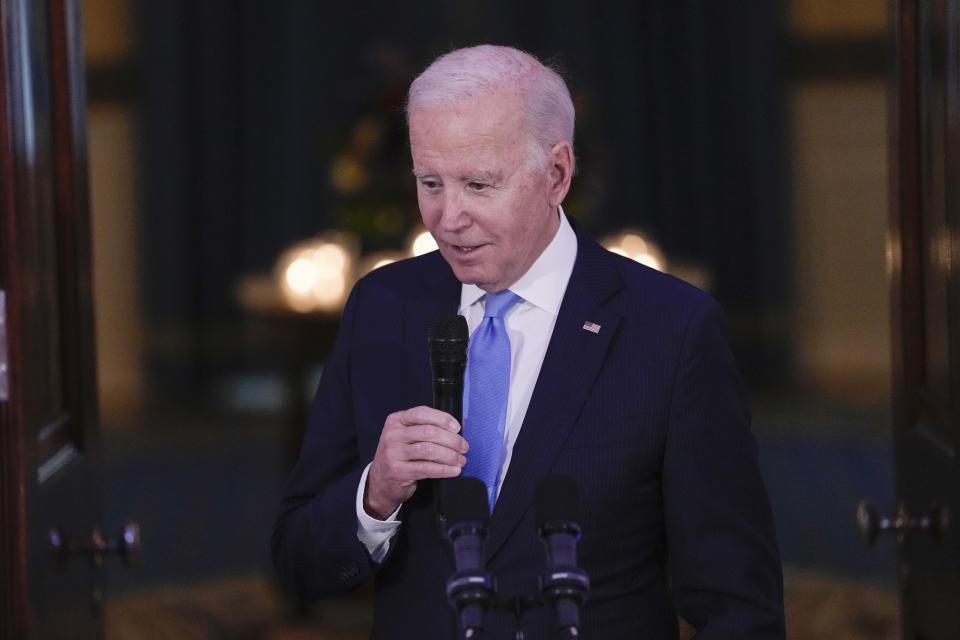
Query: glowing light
[
  {"x": 330, "y": 256},
  {"x": 329, "y": 293},
  {"x": 650, "y": 261},
  {"x": 633, "y": 245},
  {"x": 379, "y": 259},
  {"x": 301, "y": 275},
  {"x": 315, "y": 275},
  {"x": 423, "y": 243}
]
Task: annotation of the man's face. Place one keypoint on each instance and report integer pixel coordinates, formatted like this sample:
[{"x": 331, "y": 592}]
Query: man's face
[{"x": 489, "y": 211}]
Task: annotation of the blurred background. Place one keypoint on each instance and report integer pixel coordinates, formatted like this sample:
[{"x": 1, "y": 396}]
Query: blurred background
[{"x": 248, "y": 160}]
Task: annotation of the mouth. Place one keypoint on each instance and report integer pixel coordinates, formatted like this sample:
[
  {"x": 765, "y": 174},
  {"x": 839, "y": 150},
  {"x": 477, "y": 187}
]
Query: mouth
[{"x": 465, "y": 249}]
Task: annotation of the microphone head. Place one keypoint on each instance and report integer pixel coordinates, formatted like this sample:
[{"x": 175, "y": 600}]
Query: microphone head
[
  {"x": 558, "y": 501},
  {"x": 448, "y": 338},
  {"x": 448, "y": 328},
  {"x": 464, "y": 499}
]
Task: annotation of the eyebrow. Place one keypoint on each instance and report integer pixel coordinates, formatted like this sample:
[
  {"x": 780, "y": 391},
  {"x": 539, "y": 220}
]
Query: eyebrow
[{"x": 487, "y": 177}]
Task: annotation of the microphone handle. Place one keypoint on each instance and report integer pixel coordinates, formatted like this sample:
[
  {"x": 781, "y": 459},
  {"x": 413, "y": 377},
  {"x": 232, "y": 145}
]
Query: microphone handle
[{"x": 448, "y": 396}]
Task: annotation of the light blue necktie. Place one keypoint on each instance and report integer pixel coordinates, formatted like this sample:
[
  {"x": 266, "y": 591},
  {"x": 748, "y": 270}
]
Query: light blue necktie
[{"x": 487, "y": 385}]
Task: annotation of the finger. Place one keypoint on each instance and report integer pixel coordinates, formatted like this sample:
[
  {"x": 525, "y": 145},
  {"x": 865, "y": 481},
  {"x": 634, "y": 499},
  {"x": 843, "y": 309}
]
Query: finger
[
  {"x": 427, "y": 470},
  {"x": 432, "y": 434},
  {"x": 431, "y": 452},
  {"x": 406, "y": 473},
  {"x": 429, "y": 415}
]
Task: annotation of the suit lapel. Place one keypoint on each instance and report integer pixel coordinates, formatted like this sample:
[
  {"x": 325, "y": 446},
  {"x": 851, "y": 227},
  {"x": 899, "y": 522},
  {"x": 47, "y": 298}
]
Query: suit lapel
[{"x": 573, "y": 360}]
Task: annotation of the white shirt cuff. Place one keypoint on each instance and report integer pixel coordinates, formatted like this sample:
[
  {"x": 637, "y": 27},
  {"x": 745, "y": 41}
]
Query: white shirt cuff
[{"x": 374, "y": 534}]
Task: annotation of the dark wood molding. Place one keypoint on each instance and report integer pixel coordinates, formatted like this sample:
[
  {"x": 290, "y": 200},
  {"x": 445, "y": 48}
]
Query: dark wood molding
[
  {"x": 14, "y": 598},
  {"x": 924, "y": 227},
  {"x": 71, "y": 203},
  {"x": 905, "y": 227},
  {"x": 60, "y": 168}
]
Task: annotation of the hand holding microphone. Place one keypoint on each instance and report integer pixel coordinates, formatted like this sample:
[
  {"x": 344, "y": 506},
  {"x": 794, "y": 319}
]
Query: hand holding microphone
[{"x": 423, "y": 442}]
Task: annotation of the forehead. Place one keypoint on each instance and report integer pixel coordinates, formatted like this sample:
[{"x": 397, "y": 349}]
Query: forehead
[{"x": 487, "y": 127}]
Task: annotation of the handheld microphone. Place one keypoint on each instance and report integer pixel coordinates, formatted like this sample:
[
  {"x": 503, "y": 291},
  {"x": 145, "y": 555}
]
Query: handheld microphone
[
  {"x": 470, "y": 590},
  {"x": 565, "y": 585},
  {"x": 447, "y": 338}
]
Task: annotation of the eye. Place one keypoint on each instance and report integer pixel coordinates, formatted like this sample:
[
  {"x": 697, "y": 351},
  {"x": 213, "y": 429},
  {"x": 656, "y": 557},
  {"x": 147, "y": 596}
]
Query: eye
[
  {"x": 477, "y": 186},
  {"x": 429, "y": 183}
]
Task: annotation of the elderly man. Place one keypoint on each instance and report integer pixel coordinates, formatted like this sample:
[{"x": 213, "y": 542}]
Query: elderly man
[{"x": 614, "y": 374}]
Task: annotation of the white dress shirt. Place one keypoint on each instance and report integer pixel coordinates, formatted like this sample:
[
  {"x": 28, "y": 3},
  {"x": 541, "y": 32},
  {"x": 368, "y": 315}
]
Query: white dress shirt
[{"x": 529, "y": 326}]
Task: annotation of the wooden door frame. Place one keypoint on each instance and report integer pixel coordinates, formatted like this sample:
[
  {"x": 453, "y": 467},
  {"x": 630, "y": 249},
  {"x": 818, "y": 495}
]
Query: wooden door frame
[
  {"x": 910, "y": 201},
  {"x": 19, "y": 450},
  {"x": 905, "y": 224},
  {"x": 905, "y": 235},
  {"x": 14, "y": 600}
]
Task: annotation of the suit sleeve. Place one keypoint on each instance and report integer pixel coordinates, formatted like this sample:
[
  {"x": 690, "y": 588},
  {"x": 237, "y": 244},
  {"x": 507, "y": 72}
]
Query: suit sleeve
[
  {"x": 725, "y": 565},
  {"x": 316, "y": 551}
]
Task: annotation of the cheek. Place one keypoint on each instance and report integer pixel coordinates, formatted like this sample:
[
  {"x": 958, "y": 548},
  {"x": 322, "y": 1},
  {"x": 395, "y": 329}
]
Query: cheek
[
  {"x": 428, "y": 210},
  {"x": 526, "y": 214}
]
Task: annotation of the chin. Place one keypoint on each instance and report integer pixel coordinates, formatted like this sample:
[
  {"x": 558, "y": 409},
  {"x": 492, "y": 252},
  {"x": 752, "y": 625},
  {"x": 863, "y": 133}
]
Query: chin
[
  {"x": 466, "y": 277},
  {"x": 470, "y": 276}
]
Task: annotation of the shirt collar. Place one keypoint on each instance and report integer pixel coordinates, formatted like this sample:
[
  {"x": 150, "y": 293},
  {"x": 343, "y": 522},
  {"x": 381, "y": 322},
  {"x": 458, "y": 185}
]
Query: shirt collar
[{"x": 545, "y": 282}]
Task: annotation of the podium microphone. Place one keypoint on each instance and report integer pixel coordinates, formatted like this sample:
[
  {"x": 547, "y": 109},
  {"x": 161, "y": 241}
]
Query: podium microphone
[
  {"x": 470, "y": 590},
  {"x": 447, "y": 339},
  {"x": 565, "y": 585}
]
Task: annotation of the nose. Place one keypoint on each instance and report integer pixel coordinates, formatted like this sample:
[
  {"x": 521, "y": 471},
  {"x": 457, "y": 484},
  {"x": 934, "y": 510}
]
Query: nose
[{"x": 453, "y": 216}]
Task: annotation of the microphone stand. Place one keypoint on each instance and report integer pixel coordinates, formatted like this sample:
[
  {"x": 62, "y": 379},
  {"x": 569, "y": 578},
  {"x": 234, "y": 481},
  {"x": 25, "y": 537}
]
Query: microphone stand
[
  {"x": 564, "y": 585},
  {"x": 470, "y": 591},
  {"x": 565, "y": 588}
]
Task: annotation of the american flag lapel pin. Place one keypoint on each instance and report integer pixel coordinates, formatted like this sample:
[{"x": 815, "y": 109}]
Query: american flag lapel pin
[{"x": 592, "y": 327}]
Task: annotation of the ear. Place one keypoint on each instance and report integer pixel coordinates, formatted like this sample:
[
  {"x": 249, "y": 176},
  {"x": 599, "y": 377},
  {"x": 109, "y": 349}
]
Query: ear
[{"x": 560, "y": 171}]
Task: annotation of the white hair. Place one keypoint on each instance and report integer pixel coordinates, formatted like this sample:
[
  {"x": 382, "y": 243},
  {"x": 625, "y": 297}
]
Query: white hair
[{"x": 473, "y": 72}]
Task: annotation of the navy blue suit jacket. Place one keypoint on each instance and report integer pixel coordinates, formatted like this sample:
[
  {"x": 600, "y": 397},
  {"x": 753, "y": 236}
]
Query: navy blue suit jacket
[{"x": 649, "y": 415}]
